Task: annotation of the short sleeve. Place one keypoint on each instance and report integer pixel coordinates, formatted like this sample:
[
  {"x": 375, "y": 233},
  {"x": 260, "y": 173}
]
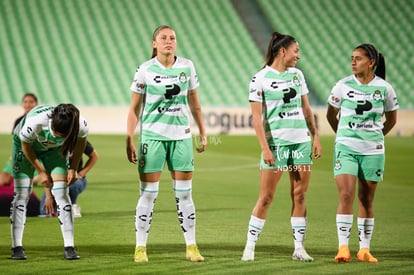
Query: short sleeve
[
  {"x": 83, "y": 128},
  {"x": 335, "y": 97},
  {"x": 304, "y": 86},
  {"x": 255, "y": 89},
  {"x": 391, "y": 101},
  {"x": 138, "y": 84},
  {"x": 194, "y": 83}
]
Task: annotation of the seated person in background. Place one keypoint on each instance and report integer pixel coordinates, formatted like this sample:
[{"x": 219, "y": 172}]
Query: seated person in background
[{"x": 7, "y": 192}]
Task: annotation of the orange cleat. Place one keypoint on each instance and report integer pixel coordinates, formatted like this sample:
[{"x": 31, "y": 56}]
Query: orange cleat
[
  {"x": 364, "y": 256},
  {"x": 343, "y": 256}
]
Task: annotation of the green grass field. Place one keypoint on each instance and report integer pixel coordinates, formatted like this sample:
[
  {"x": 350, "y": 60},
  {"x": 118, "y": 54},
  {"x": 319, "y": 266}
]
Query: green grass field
[{"x": 225, "y": 188}]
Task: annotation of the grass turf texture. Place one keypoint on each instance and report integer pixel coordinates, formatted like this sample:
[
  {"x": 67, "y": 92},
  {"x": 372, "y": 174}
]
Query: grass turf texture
[{"x": 226, "y": 185}]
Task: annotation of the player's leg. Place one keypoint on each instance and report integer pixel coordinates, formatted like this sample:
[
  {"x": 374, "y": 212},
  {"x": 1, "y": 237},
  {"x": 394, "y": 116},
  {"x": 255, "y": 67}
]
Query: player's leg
[
  {"x": 18, "y": 209},
  {"x": 180, "y": 161},
  {"x": 371, "y": 172},
  {"x": 22, "y": 174},
  {"x": 151, "y": 157},
  {"x": 299, "y": 174},
  {"x": 269, "y": 179},
  {"x": 366, "y": 219},
  {"x": 299, "y": 179},
  {"x": 345, "y": 172},
  {"x": 56, "y": 165},
  {"x": 149, "y": 186}
]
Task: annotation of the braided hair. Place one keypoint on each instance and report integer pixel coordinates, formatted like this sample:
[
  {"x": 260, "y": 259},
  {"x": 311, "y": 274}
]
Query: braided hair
[{"x": 373, "y": 54}]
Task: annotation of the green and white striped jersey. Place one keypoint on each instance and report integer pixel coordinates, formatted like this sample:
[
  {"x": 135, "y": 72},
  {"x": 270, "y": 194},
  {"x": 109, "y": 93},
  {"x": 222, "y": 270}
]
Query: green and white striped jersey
[
  {"x": 36, "y": 128},
  {"x": 281, "y": 96},
  {"x": 165, "y": 114},
  {"x": 361, "y": 109}
]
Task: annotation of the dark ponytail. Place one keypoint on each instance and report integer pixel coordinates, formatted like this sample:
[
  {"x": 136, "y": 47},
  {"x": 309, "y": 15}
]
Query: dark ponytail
[
  {"x": 373, "y": 54},
  {"x": 65, "y": 121},
  {"x": 277, "y": 41}
]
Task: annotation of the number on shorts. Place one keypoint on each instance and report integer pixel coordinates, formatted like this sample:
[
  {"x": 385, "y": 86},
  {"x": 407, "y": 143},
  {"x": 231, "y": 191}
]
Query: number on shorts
[{"x": 144, "y": 148}]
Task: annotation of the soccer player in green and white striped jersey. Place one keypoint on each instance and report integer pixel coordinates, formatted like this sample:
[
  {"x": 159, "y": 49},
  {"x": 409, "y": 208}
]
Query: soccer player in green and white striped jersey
[
  {"x": 284, "y": 123},
  {"x": 356, "y": 106},
  {"x": 163, "y": 90}
]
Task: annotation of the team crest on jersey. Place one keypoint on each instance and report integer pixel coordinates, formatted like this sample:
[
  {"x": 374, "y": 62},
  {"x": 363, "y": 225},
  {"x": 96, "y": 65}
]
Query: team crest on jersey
[
  {"x": 296, "y": 81},
  {"x": 183, "y": 77},
  {"x": 377, "y": 95},
  {"x": 338, "y": 164},
  {"x": 141, "y": 162}
]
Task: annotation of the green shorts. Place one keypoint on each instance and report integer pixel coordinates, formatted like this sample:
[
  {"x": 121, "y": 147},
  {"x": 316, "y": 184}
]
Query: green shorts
[
  {"x": 52, "y": 160},
  {"x": 8, "y": 167},
  {"x": 368, "y": 167},
  {"x": 290, "y": 155},
  {"x": 153, "y": 154}
]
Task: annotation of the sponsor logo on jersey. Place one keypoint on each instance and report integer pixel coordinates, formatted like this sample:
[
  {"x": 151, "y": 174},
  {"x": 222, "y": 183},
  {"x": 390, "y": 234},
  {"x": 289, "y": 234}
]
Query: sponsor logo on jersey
[
  {"x": 363, "y": 105},
  {"x": 140, "y": 86},
  {"x": 168, "y": 109},
  {"x": 360, "y": 125},
  {"x": 171, "y": 90},
  {"x": 288, "y": 114},
  {"x": 289, "y": 94},
  {"x": 334, "y": 99}
]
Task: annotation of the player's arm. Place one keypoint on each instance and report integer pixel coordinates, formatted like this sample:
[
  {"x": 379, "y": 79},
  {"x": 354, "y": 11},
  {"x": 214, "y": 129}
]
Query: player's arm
[
  {"x": 390, "y": 121},
  {"x": 256, "y": 108},
  {"x": 132, "y": 121},
  {"x": 332, "y": 117},
  {"x": 310, "y": 121},
  {"x": 92, "y": 159},
  {"x": 76, "y": 156},
  {"x": 44, "y": 177},
  {"x": 195, "y": 108},
  {"x": 49, "y": 205}
]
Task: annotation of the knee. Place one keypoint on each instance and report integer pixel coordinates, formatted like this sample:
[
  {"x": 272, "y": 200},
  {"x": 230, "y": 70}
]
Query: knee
[
  {"x": 346, "y": 198},
  {"x": 366, "y": 202},
  {"x": 265, "y": 201},
  {"x": 299, "y": 198}
]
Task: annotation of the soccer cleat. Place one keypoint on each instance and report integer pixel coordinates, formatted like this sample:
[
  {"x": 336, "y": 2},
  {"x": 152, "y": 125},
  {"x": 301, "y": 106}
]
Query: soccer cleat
[
  {"x": 76, "y": 211},
  {"x": 300, "y": 254},
  {"x": 70, "y": 253},
  {"x": 343, "y": 256},
  {"x": 140, "y": 255},
  {"x": 365, "y": 256},
  {"x": 192, "y": 254},
  {"x": 248, "y": 255},
  {"x": 18, "y": 253}
]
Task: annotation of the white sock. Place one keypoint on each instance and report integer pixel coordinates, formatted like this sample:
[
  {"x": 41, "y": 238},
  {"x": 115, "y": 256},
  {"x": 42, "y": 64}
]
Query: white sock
[
  {"x": 18, "y": 208},
  {"x": 60, "y": 192},
  {"x": 365, "y": 230},
  {"x": 143, "y": 213},
  {"x": 344, "y": 226},
  {"x": 299, "y": 230},
  {"x": 255, "y": 228},
  {"x": 185, "y": 209}
]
